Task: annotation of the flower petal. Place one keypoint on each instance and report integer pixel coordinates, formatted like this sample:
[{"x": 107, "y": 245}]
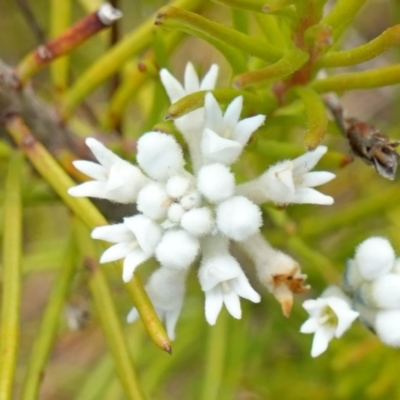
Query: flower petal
[
  {"x": 89, "y": 168},
  {"x": 113, "y": 233},
  {"x": 116, "y": 252},
  {"x": 232, "y": 115},
  {"x": 213, "y": 114},
  {"x": 312, "y": 179},
  {"x": 219, "y": 149},
  {"x": 131, "y": 262},
  {"x": 310, "y": 326},
  {"x": 172, "y": 86},
  {"x": 191, "y": 79},
  {"x": 171, "y": 318},
  {"x": 104, "y": 156},
  {"x": 244, "y": 129},
  {"x": 210, "y": 78},
  {"x": 242, "y": 287},
  {"x": 95, "y": 189},
  {"x": 308, "y": 161},
  {"x": 214, "y": 301},
  {"x": 311, "y": 196},
  {"x": 232, "y": 303},
  {"x": 321, "y": 340}
]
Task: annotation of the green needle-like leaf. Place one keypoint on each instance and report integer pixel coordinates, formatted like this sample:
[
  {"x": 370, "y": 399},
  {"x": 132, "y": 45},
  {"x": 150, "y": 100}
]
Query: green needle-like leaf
[
  {"x": 50, "y": 322},
  {"x": 389, "y": 38},
  {"x": 11, "y": 276},
  {"x": 317, "y": 120}
]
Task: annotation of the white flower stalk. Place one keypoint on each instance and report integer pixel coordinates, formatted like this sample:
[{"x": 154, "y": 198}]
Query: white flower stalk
[
  {"x": 114, "y": 179},
  {"x": 222, "y": 280},
  {"x": 135, "y": 241},
  {"x": 224, "y": 136},
  {"x": 330, "y": 316},
  {"x": 190, "y": 125},
  {"x": 277, "y": 271},
  {"x": 290, "y": 182},
  {"x": 166, "y": 289}
]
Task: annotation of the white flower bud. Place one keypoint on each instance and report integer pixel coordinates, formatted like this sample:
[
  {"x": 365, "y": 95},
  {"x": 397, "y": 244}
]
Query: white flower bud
[
  {"x": 153, "y": 201},
  {"x": 159, "y": 155},
  {"x": 238, "y": 218},
  {"x": 385, "y": 291},
  {"x": 387, "y": 327},
  {"x": 191, "y": 200},
  {"x": 374, "y": 257},
  {"x": 216, "y": 182},
  {"x": 175, "y": 212},
  {"x": 177, "y": 249},
  {"x": 198, "y": 221},
  {"x": 177, "y": 186}
]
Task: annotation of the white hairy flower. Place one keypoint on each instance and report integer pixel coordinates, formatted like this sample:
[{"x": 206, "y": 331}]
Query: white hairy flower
[
  {"x": 193, "y": 122},
  {"x": 330, "y": 317},
  {"x": 187, "y": 216},
  {"x": 224, "y": 136},
  {"x": 222, "y": 280},
  {"x": 114, "y": 179},
  {"x": 290, "y": 182}
]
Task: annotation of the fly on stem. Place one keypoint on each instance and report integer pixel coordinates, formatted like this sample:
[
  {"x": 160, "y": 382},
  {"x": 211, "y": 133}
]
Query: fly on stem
[{"x": 365, "y": 140}]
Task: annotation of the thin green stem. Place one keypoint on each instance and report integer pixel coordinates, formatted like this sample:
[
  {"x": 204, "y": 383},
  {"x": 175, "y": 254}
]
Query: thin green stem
[
  {"x": 108, "y": 318},
  {"x": 215, "y": 358},
  {"x": 60, "y": 12},
  {"x": 51, "y": 171},
  {"x": 49, "y": 325},
  {"x": 113, "y": 60},
  {"x": 11, "y": 276}
]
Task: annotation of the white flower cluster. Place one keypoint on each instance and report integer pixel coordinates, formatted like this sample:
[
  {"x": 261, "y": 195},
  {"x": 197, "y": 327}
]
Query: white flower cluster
[
  {"x": 371, "y": 293},
  {"x": 183, "y": 217},
  {"x": 372, "y": 278}
]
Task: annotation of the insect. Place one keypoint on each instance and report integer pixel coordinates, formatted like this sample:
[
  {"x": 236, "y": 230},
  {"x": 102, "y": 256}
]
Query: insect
[
  {"x": 366, "y": 141},
  {"x": 373, "y": 147}
]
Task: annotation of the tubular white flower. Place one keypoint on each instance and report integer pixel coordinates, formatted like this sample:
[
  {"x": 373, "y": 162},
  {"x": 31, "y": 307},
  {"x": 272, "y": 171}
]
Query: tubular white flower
[
  {"x": 159, "y": 155},
  {"x": 177, "y": 249},
  {"x": 352, "y": 277},
  {"x": 224, "y": 136},
  {"x": 387, "y": 327},
  {"x": 166, "y": 290},
  {"x": 216, "y": 182},
  {"x": 192, "y": 123},
  {"x": 153, "y": 201},
  {"x": 238, "y": 218},
  {"x": 136, "y": 239},
  {"x": 290, "y": 182},
  {"x": 222, "y": 280},
  {"x": 114, "y": 179},
  {"x": 374, "y": 257},
  {"x": 329, "y": 317},
  {"x": 277, "y": 271}
]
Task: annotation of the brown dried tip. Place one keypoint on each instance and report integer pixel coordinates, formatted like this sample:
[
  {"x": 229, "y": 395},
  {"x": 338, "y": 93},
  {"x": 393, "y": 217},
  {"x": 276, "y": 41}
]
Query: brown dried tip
[
  {"x": 285, "y": 285},
  {"x": 168, "y": 348}
]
